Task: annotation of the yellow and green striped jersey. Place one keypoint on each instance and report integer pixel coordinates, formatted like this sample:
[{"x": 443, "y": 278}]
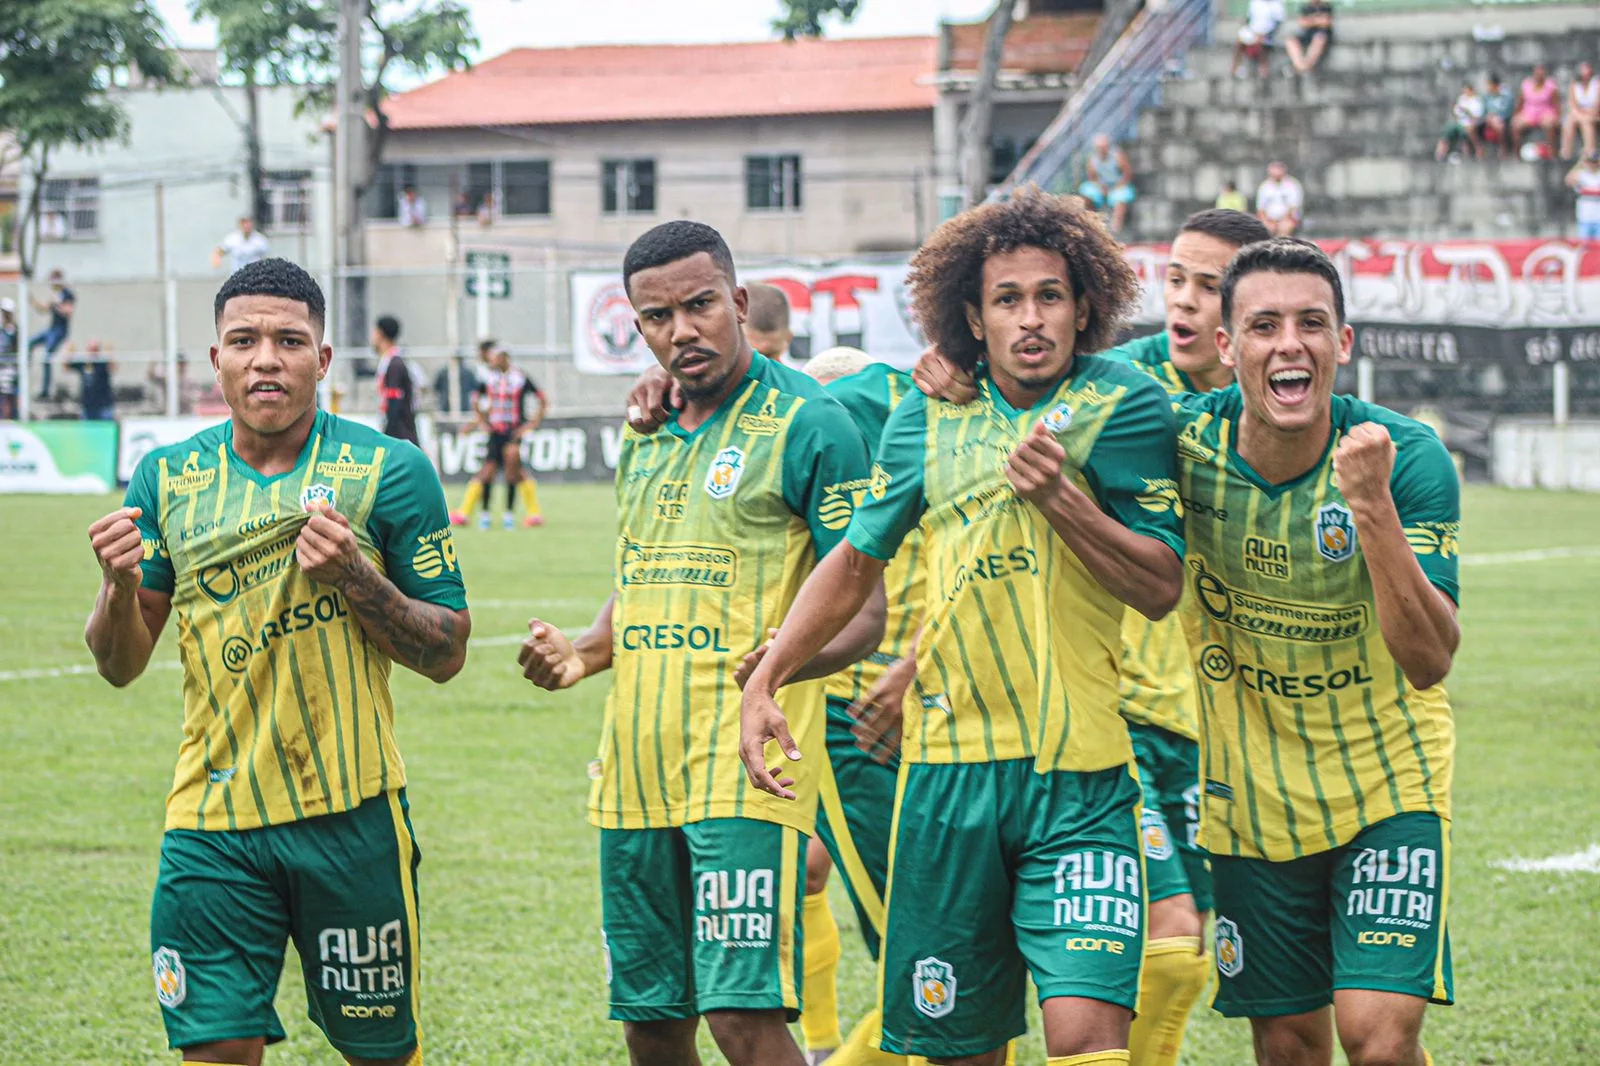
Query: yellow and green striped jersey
[
  {"x": 1309, "y": 731},
  {"x": 1157, "y": 678},
  {"x": 1019, "y": 649},
  {"x": 869, "y": 397},
  {"x": 718, "y": 528},
  {"x": 287, "y": 713}
]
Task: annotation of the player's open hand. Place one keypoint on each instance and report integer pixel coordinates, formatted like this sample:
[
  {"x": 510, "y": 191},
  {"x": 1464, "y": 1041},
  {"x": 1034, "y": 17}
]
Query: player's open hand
[
  {"x": 753, "y": 660},
  {"x": 1034, "y": 468},
  {"x": 881, "y": 712},
  {"x": 761, "y": 721},
  {"x": 652, "y": 400},
  {"x": 327, "y": 550},
  {"x": 118, "y": 547},
  {"x": 938, "y": 377},
  {"x": 548, "y": 658},
  {"x": 1363, "y": 462}
]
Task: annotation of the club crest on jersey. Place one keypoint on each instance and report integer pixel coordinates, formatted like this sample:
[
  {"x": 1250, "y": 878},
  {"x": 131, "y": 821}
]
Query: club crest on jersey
[
  {"x": 316, "y": 494},
  {"x": 1157, "y": 841},
  {"x": 172, "y": 981},
  {"x": 1057, "y": 418},
  {"x": 1230, "y": 948},
  {"x": 933, "y": 987},
  {"x": 726, "y": 470},
  {"x": 1336, "y": 533}
]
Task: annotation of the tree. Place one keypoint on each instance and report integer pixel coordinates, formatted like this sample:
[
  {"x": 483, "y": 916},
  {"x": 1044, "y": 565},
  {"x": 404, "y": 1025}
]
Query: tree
[
  {"x": 58, "y": 59},
  {"x": 804, "y": 18}
]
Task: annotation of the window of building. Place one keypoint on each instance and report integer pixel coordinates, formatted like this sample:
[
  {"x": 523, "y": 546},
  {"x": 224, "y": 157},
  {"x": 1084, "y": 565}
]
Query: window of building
[
  {"x": 482, "y": 188},
  {"x": 525, "y": 187},
  {"x": 69, "y": 209},
  {"x": 288, "y": 199},
  {"x": 627, "y": 186},
  {"x": 772, "y": 182}
]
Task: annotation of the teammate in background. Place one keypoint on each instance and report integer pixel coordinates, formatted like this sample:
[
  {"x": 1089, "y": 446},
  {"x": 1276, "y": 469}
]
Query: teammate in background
[
  {"x": 768, "y": 327},
  {"x": 721, "y": 516},
  {"x": 397, "y": 393},
  {"x": 1323, "y": 553},
  {"x": 500, "y": 404},
  {"x": 304, "y": 554},
  {"x": 1045, "y": 506}
]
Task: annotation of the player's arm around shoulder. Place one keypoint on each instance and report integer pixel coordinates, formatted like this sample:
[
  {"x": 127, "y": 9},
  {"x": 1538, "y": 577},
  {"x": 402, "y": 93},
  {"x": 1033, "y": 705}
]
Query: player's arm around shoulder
[
  {"x": 1406, "y": 506},
  {"x": 415, "y": 609},
  {"x": 136, "y": 581}
]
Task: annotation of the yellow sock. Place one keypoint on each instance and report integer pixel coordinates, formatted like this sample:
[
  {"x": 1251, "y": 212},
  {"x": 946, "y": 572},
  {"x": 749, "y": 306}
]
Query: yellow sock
[
  {"x": 530, "y": 495},
  {"x": 819, "y": 1022},
  {"x": 474, "y": 496},
  {"x": 1094, "y": 1058},
  {"x": 860, "y": 1048},
  {"x": 1175, "y": 973},
  {"x": 1427, "y": 1059}
]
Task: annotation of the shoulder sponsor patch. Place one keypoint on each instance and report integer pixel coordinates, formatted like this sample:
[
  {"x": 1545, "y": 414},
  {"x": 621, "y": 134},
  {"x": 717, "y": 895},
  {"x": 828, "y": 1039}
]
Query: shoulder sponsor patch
[
  {"x": 839, "y": 502},
  {"x": 1435, "y": 538},
  {"x": 1160, "y": 495}
]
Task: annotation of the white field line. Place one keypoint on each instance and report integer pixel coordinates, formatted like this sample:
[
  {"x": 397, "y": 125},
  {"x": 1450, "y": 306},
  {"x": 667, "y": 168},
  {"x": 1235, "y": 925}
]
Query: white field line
[
  {"x": 1586, "y": 861},
  {"x": 1533, "y": 555}
]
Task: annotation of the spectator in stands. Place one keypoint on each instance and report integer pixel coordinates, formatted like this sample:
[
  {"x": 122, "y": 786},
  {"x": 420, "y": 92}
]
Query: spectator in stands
[
  {"x": 8, "y": 358},
  {"x": 1536, "y": 110},
  {"x": 412, "y": 210},
  {"x": 1466, "y": 119},
  {"x": 1306, "y": 49},
  {"x": 95, "y": 394},
  {"x": 1231, "y": 199},
  {"x": 1108, "y": 180},
  {"x": 1584, "y": 179},
  {"x": 1583, "y": 111},
  {"x": 1279, "y": 201},
  {"x": 242, "y": 247},
  {"x": 61, "y": 307},
  {"x": 1499, "y": 105},
  {"x": 1258, "y": 36}
]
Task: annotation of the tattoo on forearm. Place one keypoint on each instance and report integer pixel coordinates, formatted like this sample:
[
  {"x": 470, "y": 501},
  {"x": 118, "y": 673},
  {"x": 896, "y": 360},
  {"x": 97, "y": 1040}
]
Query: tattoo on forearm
[{"x": 421, "y": 635}]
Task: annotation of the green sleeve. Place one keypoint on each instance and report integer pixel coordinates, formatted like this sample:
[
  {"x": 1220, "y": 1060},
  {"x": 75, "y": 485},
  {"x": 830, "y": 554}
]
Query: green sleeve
[
  {"x": 411, "y": 527},
  {"x": 894, "y": 501},
  {"x": 870, "y": 395},
  {"x": 145, "y": 494},
  {"x": 1133, "y": 468},
  {"x": 1427, "y": 496},
  {"x": 824, "y": 463}
]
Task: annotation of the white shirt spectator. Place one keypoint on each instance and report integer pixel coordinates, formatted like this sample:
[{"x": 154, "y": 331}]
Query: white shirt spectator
[
  {"x": 243, "y": 250},
  {"x": 1468, "y": 110},
  {"x": 1588, "y": 189},
  {"x": 1280, "y": 199},
  {"x": 413, "y": 211},
  {"x": 1265, "y": 17}
]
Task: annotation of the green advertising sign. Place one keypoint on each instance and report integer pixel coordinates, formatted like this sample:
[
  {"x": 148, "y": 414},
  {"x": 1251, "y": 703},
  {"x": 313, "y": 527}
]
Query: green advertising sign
[{"x": 58, "y": 457}]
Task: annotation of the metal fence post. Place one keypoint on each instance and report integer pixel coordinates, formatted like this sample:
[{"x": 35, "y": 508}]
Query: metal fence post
[
  {"x": 174, "y": 385},
  {"x": 1366, "y": 379},
  {"x": 24, "y": 351},
  {"x": 1561, "y": 382},
  {"x": 483, "y": 297}
]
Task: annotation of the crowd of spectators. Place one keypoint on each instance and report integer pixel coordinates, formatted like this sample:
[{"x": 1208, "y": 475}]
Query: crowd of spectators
[
  {"x": 1536, "y": 122},
  {"x": 1259, "y": 36}
]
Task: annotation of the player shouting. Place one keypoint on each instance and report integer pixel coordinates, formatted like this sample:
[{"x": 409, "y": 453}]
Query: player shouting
[{"x": 500, "y": 404}]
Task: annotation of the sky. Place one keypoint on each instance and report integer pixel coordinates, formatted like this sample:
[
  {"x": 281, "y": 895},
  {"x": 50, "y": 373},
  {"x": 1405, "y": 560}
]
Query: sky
[{"x": 506, "y": 24}]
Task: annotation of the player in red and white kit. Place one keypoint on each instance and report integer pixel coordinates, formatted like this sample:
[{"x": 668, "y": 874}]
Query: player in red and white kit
[{"x": 500, "y": 404}]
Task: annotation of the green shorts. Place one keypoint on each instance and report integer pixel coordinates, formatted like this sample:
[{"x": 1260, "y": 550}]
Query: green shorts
[
  {"x": 1370, "y": 915},
  {"x": 1169, "y": 773},
  {"x": 998, "y": 872},
  {"x": 859, "y": 799},
  {"x": 343, "y": 886},
  {"x": 701, "y": 918}
]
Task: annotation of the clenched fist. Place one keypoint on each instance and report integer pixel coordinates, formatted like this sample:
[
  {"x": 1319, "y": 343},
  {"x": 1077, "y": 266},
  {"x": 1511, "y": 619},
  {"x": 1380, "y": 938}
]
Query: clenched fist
[
  {"x": 118, "y": 547},
  {"x": 1034, "y": 469},
  {"x": 327, "y": 550},
  {"x": 548, "y": 658},
  {"x": 1364, "y": 462}
]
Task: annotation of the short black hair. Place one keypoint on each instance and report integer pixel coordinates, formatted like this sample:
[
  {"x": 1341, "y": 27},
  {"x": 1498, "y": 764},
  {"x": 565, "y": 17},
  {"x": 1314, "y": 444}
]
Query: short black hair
[
  {"x": 389, "y": 326},
  {"x": 1281, "y": 255},
  {"x": 672, "y": 241},
  {"x": 273, "y": 277},
  {"x": 1229, "y": 227}
]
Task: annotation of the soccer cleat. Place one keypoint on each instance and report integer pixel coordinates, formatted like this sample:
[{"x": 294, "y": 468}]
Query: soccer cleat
[
  {"x": 457, "y": 518},
  {"x": 533, "y": 520},
  {"x": 510, "y": 521},
  {"x": 483, "y": 521}
]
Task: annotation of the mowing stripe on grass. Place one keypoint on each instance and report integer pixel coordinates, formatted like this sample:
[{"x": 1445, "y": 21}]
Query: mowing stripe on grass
[
  {"x": 1533, "y": 555},
  {"x": 1586, "y": 861}
]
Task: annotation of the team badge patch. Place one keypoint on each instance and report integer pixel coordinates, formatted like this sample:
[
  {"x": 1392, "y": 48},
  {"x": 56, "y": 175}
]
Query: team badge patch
[
  {"x": 316, "y": 494},
  {"x": 1057, "y": 418},
  {"x": 1157, "y": 841},
  {"x": 933, "y": 987},
  {"x": 726, "y": 470},
  {"x": 1230, "y": 948},
  {"x": 1336, "y": 533},
  {"x": 172, "y": 983}
]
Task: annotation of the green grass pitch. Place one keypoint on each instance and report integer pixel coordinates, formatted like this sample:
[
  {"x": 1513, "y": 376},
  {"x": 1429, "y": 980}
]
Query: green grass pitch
[{"x": 512, "y": 964}]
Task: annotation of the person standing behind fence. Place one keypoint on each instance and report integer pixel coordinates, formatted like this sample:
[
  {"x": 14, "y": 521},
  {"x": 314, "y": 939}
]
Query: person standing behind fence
[
  {"x": 95, "y": 394},
  {"x": 242, "y": 247},
  {"x": 1584, "y": 179},
  {"x": 397, "y": 393},
  {"x": 61, "y": 306},
  {"x": 8, "y": 358}
]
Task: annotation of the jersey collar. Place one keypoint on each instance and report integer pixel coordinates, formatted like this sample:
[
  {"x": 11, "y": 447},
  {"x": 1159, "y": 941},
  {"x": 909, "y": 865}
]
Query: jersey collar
[
  {"x": 758, "y": 369},
  {"x": 317, "y": 426}
]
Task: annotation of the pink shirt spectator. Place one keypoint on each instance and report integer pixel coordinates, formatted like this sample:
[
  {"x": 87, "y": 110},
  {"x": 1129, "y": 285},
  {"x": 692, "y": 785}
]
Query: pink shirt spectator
[{"x": 1539, "y": 101}]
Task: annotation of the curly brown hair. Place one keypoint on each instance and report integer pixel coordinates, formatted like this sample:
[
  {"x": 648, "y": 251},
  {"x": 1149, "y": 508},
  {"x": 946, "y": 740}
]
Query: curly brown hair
[{"x": 947, "y": 271}]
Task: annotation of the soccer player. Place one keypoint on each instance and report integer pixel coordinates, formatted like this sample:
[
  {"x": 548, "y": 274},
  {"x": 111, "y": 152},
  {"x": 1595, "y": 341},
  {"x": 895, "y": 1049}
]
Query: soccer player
[
  {"x": 768, "y": 328},
  {"x": 500, "y": 402},
  {"x": 397, "y": 394},
  {"x": 304, "y": 555},
  {"x": 1045, "y": 506},
  {"x": 721, "y": 516},
  {"x": 1322, "y": 537}
]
